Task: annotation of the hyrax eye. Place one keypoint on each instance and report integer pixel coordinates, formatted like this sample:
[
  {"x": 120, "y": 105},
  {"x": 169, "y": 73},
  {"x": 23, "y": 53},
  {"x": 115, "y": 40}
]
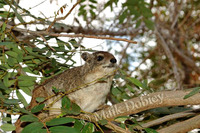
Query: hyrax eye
[{"x": 100, "y": 58}]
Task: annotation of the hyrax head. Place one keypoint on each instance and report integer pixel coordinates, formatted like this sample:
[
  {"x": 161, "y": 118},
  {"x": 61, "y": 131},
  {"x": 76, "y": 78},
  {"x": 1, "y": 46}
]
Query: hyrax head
[{"x": 100, "y": 59}]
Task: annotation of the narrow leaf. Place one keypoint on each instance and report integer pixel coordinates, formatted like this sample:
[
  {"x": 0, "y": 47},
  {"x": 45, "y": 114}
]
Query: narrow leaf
[
  {"x": 78, "y": 124},
  {"x": 32, "y": 127},
  {"x": 63, "y": 129},
  {"x": 11, "y": 101},
  {"x": 37, "y": 108},
  {"x": 136, "y": 82},
  {"x": 59, "y": 121},
  {"x": 26, "y": 83},
  {"x": 6, "y": 119},
  {"x": 40, "y": 99},
  {"x": 21, "y": 97},
  {"x": 89, "y": 128},
  {"x": 193, "y": 92},
  {"x": 8, "y": 127},
  {"x": 12, "y": 54},
  {"x": 29, "y": 118},
  {"x": 26, "y": 77}
]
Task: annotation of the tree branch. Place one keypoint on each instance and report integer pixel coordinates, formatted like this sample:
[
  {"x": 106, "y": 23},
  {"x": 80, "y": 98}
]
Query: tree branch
[
  {"x": 62, "y": 18},
  {"x": 39, "y": 33},
  {"x": 142, "y": 103},
  {"x": 183, "y": 127},
  {"x": 169, "y": 54},
  {"x": 167, "y": 118}
]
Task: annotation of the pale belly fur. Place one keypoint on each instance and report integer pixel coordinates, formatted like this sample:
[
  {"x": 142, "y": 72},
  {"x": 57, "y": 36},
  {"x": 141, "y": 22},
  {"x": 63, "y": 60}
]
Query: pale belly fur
[{"x": 89, "y": 98}]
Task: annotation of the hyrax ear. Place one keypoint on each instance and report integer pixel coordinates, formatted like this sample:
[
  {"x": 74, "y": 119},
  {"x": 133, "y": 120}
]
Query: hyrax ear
[{"x": 86, "y": 56}]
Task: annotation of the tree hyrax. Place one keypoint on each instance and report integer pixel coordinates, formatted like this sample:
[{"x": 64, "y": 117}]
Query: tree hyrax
[
  {"x": 90, "y": 93},
  {"x": 82, "y": 84}
]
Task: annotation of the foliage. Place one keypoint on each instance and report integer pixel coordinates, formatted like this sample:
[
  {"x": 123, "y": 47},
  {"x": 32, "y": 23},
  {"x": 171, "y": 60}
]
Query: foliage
[{"x": 27, "y": 58}]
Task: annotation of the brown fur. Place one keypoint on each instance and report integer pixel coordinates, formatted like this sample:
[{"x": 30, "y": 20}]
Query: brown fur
[{"x": 90, "y": 97}]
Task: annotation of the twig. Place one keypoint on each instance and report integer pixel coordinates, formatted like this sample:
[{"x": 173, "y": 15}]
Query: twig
[
  {"x": 47, "y": 43},
  {"x": 116, "y": 128},
  {"x": 62, "y": 18},
  {"x": 183, "y": 127},
  {"x": 143, "y": 61},
  {"x": 184, "y": 58},
  {"x": 8, "y": 112},
  {"x": 95, "y": 37},
  {"x": 38, "y": 33},
  {"x": 124, "y": 52},
  {"x": 171, "y": 58},
  {"x": 167, "y": 118}
]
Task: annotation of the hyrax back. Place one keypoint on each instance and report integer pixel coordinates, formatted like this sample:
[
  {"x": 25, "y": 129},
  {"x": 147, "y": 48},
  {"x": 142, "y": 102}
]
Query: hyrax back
[{"x": 90, "y": 93}]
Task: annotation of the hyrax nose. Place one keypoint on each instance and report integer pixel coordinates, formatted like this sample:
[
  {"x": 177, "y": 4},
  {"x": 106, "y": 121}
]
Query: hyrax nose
[{"x": 113, "y": 60}]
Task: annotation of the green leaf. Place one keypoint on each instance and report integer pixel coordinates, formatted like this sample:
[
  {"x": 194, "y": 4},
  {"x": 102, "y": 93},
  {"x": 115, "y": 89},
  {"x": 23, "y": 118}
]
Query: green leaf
[
  {"x": 55, "y": 90},
  {"x": 19, "y": 58},
  {"x": 6, "y": 43},
  {"x": 123, "y": 16},
  {"x": 103, "y": 122},
  {"x": 26, "y": 83},
  {"x": 8, "y": 127},
  {"x": 6, "y": 119},
  {"x": 193, "y": 92},
  {"x": 23, "y": 110},
  {"x": 93, "y": 1},
  {"x": 37, "y": 108},
  {"x": 2, "y": 86},
  {"x": 66, "y": 102},
  {"x": 32, "y": 127},
  {"x": 11, "y": 101},
  {"x": 3, "y": 27},
  {"x": 63, "y": 129},
  {"x": 74, "y": 43},
  {"x": 75, "y": 109},
  {"x": 89, "y": 128},
  {"x": 19, "y": 17},
  {"x": 69, "y": 108},
  {"x": 40, "y": 99},
  {"x": 138, "y": 23},
  {"x": 29, "y": 118},
  {"x": 78, "y": 124},
  {"x": 149, "y": 24},
  {"x": 21, "y": 98},
  {"x": 5, "y": 80},
  {"x": 39, "y": 131},
  {"x": 149, "y": 130},
  {"x": 28, "y": 57},
  {"x": 116, "y": 91},
  {"x": 12, "y": 54},
  {"x": 136, "y": 82},
  {"x": 130, "y": 88},
  {"x": 26, "y": 90},
  {"x": 3, "y": 68},
  {"x": 11, "y": 61},
  {"x": 121, "y": 118},
  {"x": 25, "y": 77},
  {"x": 59, "y": 121}
]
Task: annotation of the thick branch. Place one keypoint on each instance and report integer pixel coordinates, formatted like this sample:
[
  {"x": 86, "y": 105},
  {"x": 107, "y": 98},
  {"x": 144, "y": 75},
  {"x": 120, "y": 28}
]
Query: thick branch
[
  {"x": 183, "y": 127},
  {"x": 139, "y": 104}
]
